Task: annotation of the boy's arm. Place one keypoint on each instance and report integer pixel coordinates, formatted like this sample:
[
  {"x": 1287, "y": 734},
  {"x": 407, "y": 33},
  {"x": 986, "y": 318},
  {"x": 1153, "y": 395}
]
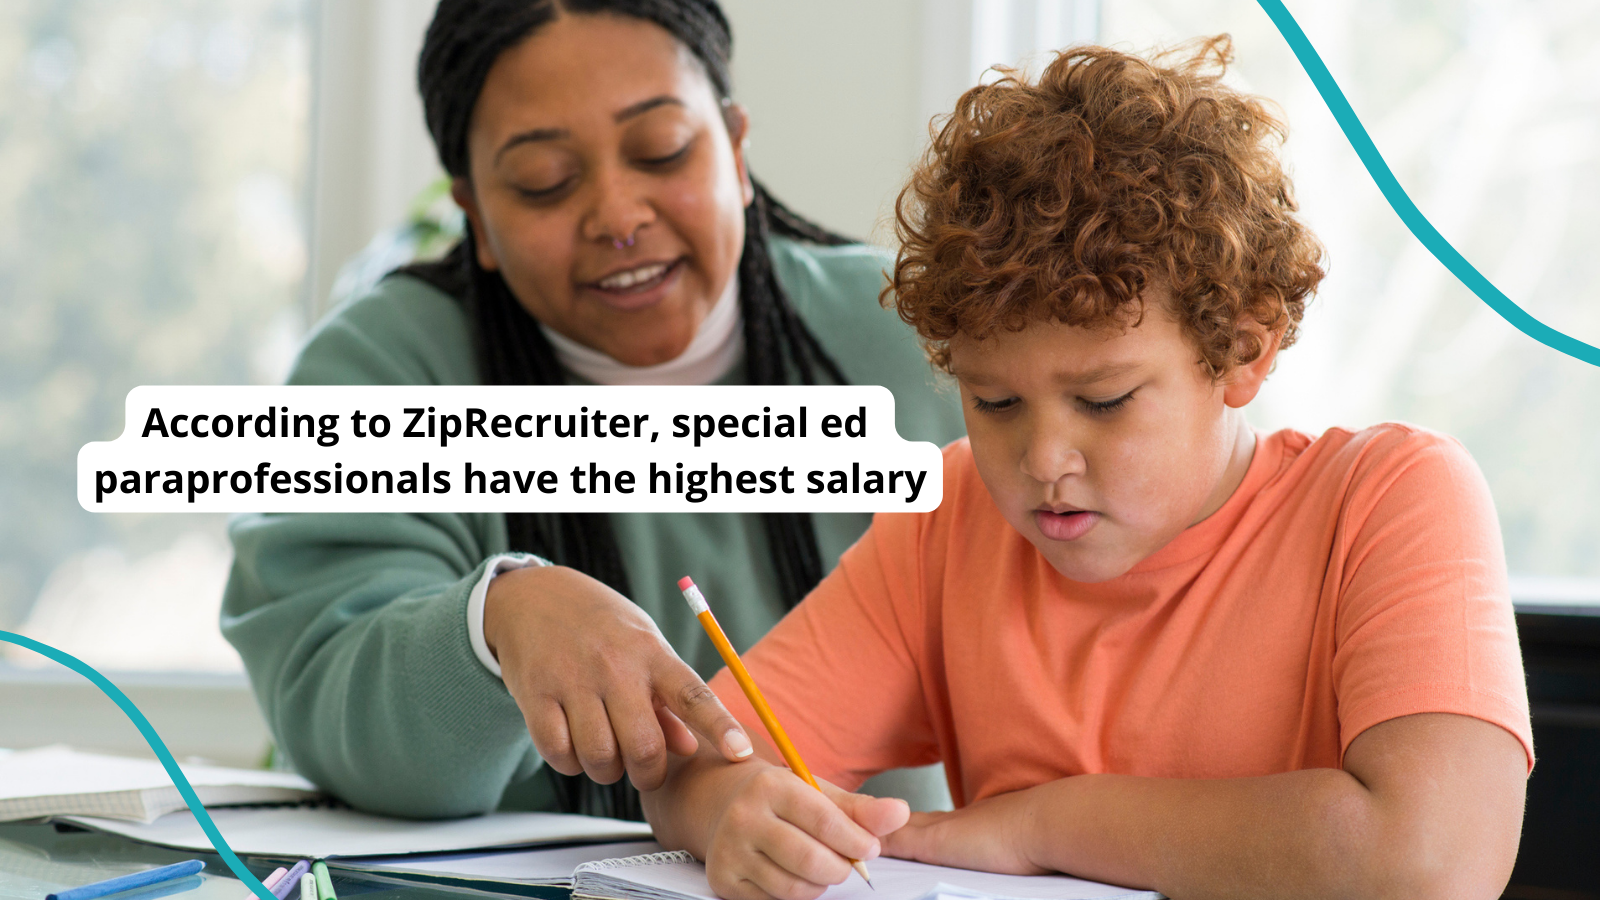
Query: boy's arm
[
  {"x": 1426, "y": 806},
  {"x": 762, "y": 832}
]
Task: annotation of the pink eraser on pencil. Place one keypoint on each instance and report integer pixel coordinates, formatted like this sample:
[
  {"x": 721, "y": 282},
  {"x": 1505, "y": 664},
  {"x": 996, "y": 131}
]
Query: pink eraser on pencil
[{"x": 685, "y": 583}]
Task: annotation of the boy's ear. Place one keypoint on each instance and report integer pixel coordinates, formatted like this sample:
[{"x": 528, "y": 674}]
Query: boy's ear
[
  {"x": 461, "y": 192},
  {"x": 1244, "y": 382}
]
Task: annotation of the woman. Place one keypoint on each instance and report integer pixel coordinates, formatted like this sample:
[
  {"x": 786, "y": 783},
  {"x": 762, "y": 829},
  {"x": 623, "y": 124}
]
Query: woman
[{"x": 405, "y": 662}]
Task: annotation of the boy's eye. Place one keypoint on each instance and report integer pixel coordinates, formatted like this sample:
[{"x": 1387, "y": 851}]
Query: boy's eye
[
  {"x": 993, "y": 406},
  {"x": 1103, "y": 407}
]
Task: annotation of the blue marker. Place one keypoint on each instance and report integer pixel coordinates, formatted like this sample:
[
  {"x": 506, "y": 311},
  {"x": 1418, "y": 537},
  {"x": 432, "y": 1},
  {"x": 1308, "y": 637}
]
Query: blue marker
[{"x": 122, "y": 883}]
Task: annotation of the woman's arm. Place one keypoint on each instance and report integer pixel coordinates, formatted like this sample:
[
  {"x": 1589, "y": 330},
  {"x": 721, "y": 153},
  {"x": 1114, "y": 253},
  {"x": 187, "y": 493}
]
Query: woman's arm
[
  {"x": 354, "y": 632},
  {"x": 1426, "y": 806}
]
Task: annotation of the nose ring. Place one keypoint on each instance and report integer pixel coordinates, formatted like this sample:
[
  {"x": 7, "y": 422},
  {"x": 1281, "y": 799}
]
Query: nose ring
[{"x": 619, "y": 244}]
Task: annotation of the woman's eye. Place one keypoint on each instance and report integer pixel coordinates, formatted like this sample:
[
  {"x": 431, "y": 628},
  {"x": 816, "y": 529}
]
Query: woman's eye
[
  {"x": 545, "y": 193},
  {"x": 1103, "y": 407},
  {"x": 993, "y": 406},
  {"x": 656, "y": 162}
]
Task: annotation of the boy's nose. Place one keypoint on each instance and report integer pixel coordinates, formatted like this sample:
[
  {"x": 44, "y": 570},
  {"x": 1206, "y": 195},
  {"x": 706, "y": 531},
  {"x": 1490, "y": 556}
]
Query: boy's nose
[{"x": 1051, "y": 455}]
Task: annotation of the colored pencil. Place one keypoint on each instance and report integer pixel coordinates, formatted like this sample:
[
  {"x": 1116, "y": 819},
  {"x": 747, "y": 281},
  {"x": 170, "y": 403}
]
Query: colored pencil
[
  {"x": 291, "y": 881},
  {"x": 324, "y": 881},
  {"x": 702, "y": 611},
  {"x": 269, "y": 881},
  {"x": 124, "y": 882}
]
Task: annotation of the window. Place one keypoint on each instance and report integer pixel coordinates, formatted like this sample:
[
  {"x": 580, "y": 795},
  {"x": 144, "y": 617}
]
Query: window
[
  {"x": 153, "y": 160},
  {"x": 1487, "y": 111}
]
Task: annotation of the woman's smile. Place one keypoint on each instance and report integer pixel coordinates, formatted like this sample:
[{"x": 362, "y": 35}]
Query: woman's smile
[{"x": 636, "y": 286}]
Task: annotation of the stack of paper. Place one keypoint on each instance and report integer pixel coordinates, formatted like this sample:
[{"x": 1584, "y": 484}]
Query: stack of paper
[{"x": 53, "y": 781}]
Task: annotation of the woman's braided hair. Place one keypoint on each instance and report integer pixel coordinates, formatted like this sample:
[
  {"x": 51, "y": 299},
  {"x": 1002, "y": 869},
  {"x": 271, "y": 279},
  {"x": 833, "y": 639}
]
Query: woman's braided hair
[{"x": 462, "y": 44}]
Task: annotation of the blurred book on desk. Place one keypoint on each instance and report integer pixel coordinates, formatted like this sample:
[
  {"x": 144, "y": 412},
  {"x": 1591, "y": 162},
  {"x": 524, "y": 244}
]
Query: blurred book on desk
[{"x": 60, "y": 781}]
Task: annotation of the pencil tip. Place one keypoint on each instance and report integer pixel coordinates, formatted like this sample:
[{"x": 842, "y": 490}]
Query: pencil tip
[{"x": 861, "y": 869}]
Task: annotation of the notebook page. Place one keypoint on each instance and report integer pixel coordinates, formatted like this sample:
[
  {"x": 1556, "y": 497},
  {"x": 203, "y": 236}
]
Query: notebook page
[{"x": 680, "y": 877}]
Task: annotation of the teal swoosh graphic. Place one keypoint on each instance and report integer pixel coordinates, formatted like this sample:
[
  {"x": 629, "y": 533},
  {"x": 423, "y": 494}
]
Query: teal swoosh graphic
[
  {"x": 161, "y": 751},
  {"x": 1401, "y": 202}
]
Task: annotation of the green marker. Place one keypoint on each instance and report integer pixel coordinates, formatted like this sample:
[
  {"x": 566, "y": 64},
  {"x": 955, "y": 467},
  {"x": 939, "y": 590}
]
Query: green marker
[{"x": 324, "y": 883}]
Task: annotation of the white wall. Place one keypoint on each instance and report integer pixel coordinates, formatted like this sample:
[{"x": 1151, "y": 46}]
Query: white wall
[
  {"x": 842, "y": 91},
  {"x": 833, "y": 91}
]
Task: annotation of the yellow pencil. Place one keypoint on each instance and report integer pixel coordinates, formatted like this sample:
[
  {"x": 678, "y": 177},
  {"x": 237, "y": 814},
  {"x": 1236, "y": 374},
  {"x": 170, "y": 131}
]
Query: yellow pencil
[{"x": 702, "y": 611}]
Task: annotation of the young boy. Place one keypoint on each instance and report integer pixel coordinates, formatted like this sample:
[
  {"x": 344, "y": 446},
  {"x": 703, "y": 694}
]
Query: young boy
[{"x": 1150, "y": 645}]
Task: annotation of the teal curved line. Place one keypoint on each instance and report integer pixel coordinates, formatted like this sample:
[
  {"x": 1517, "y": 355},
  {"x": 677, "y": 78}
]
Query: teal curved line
[
  {"x": 1401, "y": 202},
  {"x": 161, "y": 751}
]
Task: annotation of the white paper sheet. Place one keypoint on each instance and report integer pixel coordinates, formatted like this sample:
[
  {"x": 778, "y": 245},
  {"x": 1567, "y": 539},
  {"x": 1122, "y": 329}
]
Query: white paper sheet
[{"x": 322, "y": 833}]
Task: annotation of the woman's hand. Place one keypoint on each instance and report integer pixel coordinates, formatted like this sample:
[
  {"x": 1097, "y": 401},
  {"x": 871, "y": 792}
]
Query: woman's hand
[
  {"x": 601, "y": 690},
  {"x": 763, "y": 832}
]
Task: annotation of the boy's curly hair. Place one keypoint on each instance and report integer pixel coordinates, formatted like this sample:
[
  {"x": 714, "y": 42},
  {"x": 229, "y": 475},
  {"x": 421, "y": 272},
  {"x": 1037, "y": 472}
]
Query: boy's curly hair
[{"x": 1064, "y": 198}]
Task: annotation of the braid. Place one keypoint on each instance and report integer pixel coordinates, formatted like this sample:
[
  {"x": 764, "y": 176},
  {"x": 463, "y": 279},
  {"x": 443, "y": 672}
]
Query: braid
[{"x": 462, "y": 43}]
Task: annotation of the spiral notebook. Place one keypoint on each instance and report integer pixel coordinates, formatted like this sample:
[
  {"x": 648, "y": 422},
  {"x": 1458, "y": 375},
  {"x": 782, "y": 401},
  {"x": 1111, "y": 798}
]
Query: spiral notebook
[{"x": 678, "y": 876}]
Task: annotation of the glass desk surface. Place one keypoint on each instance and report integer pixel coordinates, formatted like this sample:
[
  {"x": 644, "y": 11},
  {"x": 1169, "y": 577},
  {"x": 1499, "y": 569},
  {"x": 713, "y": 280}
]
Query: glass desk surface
[{"x": 38, "y": 859}]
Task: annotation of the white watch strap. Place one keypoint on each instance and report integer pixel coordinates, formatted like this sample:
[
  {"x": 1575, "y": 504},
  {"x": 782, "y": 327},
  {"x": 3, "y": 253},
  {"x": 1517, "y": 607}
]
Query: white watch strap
[{"x": 505, "y": 562}]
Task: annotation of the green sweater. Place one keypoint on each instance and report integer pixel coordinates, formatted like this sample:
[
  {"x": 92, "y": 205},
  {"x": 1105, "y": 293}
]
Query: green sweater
[{"x": 353, "y": 626}]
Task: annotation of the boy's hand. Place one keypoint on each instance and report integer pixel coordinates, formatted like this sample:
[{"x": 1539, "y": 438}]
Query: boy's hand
[
  {"x": 990, "y": 835},
  {"x": 777, "y": 837}
]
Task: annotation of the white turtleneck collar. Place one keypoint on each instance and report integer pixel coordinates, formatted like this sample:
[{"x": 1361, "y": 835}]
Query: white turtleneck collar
[{"x": 714, "y": 351}]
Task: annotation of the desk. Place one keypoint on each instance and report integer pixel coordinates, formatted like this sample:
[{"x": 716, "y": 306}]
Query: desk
[{"x": 36, "y": 859}]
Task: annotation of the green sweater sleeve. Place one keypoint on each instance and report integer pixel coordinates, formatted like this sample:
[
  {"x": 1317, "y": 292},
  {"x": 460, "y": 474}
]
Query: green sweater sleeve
[
  {"x": 353, "y": 627},
  {"x": 354, "y": 630}
]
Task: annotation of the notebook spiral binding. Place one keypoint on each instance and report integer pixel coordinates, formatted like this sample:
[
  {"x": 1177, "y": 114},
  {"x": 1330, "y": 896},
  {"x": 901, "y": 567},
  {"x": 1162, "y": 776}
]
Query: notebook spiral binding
[{"x": 664, "y": 858}]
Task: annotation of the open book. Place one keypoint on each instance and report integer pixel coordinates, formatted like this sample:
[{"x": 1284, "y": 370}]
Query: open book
[
  {"x": 53, "y": 781},
  {"x": 678, "y": 876}
]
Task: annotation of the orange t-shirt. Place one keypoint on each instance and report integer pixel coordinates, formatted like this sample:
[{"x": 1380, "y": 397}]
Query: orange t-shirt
[{"x": 1349, "y": 580}]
